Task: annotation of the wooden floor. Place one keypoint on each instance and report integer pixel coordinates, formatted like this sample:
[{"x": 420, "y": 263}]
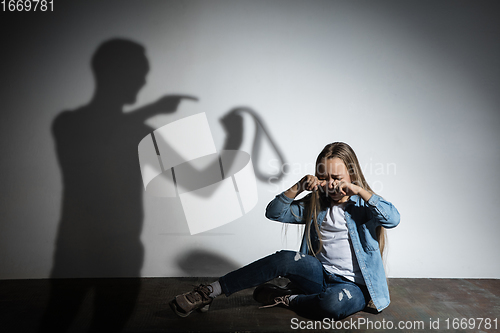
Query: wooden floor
[{"x": 419, "y": 305}]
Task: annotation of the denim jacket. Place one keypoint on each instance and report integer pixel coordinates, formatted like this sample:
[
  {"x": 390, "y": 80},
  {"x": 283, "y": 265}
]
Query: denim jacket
[{"x": 362, "y": 218}]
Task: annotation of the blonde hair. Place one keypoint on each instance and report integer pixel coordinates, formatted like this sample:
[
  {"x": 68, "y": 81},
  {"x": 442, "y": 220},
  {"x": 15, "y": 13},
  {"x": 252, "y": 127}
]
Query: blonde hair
[{"x": 314, "y": 202}]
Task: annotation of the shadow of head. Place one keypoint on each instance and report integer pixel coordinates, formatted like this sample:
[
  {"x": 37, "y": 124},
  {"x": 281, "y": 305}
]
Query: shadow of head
[
  {"x": 120, "y": 67},
  {"x": 205, "y": 263}
]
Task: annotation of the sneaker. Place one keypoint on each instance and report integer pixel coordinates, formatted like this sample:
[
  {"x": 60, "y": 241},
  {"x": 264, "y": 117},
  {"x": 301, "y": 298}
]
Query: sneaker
[
  {"x": 267, "y": 292},
  {"x": 197, "y": 299},
  {"x": 285, "y": 300}
]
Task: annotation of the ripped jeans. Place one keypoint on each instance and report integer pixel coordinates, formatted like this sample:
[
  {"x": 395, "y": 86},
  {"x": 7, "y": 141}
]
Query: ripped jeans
[{"x": 325, "y": 295}]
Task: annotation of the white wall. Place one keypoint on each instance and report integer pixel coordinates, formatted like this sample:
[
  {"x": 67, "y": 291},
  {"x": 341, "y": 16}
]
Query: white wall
[{"x": 411, "y": 86}]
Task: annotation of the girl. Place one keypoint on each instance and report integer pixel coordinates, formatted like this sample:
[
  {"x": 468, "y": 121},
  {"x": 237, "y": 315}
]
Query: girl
[{"x": 339, "y": 268}]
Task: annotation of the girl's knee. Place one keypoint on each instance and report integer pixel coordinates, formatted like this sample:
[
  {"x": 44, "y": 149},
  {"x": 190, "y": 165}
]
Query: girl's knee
[
  {"x": 289, "y": 256},
  {"x": 340, "y": 303},
  {"x": 298, "y": 261},
  {"x": 294, "y": 256}
]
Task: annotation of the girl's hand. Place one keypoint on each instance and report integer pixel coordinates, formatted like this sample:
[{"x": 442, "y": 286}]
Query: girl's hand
[
  {"x": 310, "y": 183},
  {"x": 344, "y": 188},
  {"x": 307, "y": 183}
]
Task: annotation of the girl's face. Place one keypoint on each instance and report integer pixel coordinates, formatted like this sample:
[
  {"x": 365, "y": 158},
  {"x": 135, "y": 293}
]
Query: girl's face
[{"x": 333, "y": 170}]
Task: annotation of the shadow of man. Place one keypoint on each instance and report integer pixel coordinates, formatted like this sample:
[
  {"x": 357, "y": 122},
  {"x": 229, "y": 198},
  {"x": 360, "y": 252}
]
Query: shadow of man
[{"x": 102, "y": 214}]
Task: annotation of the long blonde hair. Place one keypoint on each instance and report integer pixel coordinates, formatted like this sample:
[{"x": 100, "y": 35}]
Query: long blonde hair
[{"x": 314, "y": 202}]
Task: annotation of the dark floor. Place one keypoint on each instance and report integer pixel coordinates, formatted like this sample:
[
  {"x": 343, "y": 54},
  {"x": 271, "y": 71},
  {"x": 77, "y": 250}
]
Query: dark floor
[{"x": 415, "y": 304}]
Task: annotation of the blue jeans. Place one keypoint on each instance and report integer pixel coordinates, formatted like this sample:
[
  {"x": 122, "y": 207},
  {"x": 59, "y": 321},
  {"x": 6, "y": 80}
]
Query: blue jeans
[{"x": 326, "y": 295}]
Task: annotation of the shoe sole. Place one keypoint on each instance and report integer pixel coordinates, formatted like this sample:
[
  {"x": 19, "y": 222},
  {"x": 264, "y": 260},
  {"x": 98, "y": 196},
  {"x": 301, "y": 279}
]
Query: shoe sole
[
  {"x": 173, "y": 306},
  {"x": 204, "y": 308}
]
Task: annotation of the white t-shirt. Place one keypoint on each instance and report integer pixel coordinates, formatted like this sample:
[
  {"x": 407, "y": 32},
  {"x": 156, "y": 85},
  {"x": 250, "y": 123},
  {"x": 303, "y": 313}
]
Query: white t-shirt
[{"x": 337, "y": 254}]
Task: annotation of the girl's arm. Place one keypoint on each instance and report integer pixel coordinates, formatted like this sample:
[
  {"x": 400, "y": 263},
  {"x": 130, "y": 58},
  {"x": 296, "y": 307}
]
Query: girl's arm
[
  {"x": 384, "y": 212},
  {"x": 283, "y": 208},
  {"x": 286, "y": 210}
]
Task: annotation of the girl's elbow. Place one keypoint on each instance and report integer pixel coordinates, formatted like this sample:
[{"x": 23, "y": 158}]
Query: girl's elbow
[
  {"x": 271, "y": 215},
  {"x": 394, "y": 220}
]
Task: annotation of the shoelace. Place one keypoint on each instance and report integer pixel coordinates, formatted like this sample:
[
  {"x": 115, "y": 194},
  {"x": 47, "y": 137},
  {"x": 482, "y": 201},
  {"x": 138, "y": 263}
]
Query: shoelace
[
  {"x": 278, "y": 300},
  {"x": 199, "y": 293}
]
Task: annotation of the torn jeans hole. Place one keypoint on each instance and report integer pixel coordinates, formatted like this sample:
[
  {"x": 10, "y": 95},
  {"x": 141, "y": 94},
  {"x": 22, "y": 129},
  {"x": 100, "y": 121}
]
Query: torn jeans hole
[{"x": 341, "y": 295}]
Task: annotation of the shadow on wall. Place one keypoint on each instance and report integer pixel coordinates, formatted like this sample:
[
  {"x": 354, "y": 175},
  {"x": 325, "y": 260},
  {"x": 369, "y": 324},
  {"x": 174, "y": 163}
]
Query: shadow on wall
[
  {"x": 207, "y": 264},
  {"x": 204, "y": 263},
  {"x": 102, "y": 214},
  {"x": 233, "y": 124},
  {"x": 193, "y": 175}
]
